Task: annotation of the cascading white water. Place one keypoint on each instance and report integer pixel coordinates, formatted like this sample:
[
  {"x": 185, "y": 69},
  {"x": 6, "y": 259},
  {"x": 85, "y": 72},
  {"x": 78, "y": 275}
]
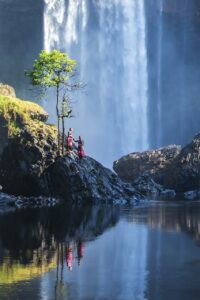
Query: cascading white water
[
  {"x": 159, "y": 74},
  {"x": 107, "y": 38},
  {"x": 53, "y": 20}
]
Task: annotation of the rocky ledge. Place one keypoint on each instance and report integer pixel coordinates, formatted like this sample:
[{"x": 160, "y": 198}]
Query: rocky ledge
[
  {"x": 172, "y": 167},
  {"x": 30, "y": 167}
]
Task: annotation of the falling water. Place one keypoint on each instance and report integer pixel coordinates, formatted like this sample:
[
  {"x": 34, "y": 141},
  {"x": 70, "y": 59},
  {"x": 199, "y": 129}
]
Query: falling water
[
  {"x": 107, "y": 38},
  {"x": 159, "y": 76},
  {"x": 53, "y": 19}
]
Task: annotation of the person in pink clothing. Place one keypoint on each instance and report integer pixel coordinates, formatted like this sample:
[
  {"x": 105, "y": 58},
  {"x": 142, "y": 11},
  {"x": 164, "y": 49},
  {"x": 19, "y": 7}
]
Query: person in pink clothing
[
  {"x": 69, "y": 141},
  {"x": 69, "y": 258}
]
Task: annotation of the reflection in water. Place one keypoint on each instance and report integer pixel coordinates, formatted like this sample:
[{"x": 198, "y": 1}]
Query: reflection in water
[
  {"x": 31, "y": 240},
  {"x": 148, "y": 252},
  {"x": 172, "y": 218}
]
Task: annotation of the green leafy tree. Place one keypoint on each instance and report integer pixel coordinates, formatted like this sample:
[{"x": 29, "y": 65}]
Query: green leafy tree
[{"x": 54, "y": 70}]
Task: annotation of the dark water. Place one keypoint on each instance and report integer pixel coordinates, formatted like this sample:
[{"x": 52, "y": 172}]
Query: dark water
[{"x": 104, "y": 253}]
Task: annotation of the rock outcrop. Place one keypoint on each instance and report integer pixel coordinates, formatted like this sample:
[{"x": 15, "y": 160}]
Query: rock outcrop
[
  {"x": 3, "y": 134},
  {"x": 183, "y": 174},
  {"x": 149, "y": 188},
  {"x": 30, "y": 147},
  {"x": 29, "y": 165},
  {"x": 7, "y": 90},
  {"x": 87, "y": 181},
  {"x": 152, "y": 163},
  {"x": 172, "y": 167}
]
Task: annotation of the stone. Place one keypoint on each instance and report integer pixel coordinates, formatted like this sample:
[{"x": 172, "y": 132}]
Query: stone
[
  {"x": 7, "y": 90},
  {"x": 173, "y": 167},
  {"x": 86, "y": 181},
  {"x": 152, "y": 162},
  {"x": 183, "y": 174},
  {"x": 192, "y": 195},
  {"x": 3, "y": 133}
]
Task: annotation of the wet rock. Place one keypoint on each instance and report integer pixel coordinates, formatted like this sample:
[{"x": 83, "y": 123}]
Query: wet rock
[
  {"x": 148, "y": 187},
  {"x": 10, "y": 203},
  {"x": 168, "y": 193},
  {"x": 192, "y": 195}
]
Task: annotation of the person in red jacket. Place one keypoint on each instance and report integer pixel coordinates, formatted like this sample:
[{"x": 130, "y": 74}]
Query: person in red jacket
[
  {"x": 81, "y": 152},
  {"x": 79, "y": 251}
]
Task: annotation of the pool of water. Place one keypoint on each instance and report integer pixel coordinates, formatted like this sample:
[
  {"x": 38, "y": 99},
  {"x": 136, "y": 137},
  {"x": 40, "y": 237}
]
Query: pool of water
[{"x": 102, "y": 253}]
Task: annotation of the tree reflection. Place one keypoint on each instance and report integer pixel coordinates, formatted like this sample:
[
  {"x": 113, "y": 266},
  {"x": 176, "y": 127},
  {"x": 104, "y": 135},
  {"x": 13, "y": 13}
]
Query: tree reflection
[
  {"x": 171, "y": 217},
  {"x": 46, "y": 239}
]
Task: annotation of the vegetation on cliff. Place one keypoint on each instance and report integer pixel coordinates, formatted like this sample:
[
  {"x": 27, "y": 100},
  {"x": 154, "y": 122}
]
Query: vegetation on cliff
[{"x": 20, "y": 115}]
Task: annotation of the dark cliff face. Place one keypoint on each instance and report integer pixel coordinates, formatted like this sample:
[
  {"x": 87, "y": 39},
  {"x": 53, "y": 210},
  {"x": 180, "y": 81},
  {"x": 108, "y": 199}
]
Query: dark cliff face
[
  {"x": 21, "y": 39},
  {"x": 3, "y": 134}
]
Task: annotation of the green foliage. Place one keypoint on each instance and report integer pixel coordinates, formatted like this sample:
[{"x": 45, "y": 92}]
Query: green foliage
[
  {"x": 54, "y": 69},
  {"x": 51, "y": 69},
  {"x": 12, "y": 272},
  {"x": 21, "y": 114}
]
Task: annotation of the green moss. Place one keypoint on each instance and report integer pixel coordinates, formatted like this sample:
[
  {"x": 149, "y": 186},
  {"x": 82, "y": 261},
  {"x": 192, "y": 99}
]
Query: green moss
[{"x": 21, "y": 114}]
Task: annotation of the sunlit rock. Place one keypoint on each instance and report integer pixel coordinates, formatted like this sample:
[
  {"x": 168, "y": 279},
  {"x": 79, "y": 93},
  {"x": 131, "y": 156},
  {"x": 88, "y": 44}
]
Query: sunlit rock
[{"x": 30, "y": 165}]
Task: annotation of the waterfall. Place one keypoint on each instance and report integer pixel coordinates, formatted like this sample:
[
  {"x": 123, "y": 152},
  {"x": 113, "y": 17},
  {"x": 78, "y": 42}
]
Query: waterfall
[
  {"x": 53, "y": 20},
  {"x": 159, "y": 77},
  {"x": 108, "y": 40}
]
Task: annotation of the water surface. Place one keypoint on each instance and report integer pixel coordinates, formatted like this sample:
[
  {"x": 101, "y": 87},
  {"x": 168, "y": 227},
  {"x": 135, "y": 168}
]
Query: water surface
[{"x": 104, "y": 253}]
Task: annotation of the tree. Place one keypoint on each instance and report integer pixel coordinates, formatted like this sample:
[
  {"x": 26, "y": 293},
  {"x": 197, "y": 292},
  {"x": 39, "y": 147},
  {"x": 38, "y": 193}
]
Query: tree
[
  {"x": 54, "y": 70},
  {"x": 66, "y": 112}
]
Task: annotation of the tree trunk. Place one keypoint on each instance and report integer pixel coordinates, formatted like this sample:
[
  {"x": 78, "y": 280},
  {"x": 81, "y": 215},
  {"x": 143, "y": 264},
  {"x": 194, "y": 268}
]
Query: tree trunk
[
  {"x": 58, "y": 117},
  {"x": 63, "y": 134}
]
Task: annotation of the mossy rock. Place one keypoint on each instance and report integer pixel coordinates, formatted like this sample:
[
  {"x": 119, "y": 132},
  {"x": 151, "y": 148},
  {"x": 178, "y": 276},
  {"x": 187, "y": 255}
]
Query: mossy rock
[
  {"x": 21, "y": 114},
  {"x": 30, "y": 146},
  {"x": 7, "y": 90}
]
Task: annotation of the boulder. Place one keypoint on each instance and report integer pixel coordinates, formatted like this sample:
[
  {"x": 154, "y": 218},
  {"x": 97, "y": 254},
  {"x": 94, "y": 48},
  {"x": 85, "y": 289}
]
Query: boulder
[
  {"x": 148, "y": 187},
  {"x": 86, "y": 181},
  {"x": 192, "y": 195},
  {"x": 7, "y": 90},
  {"x": 183, "y": 173},
  {"x": 152, "y": 162},
  {"x": 174, "y": 168}
]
